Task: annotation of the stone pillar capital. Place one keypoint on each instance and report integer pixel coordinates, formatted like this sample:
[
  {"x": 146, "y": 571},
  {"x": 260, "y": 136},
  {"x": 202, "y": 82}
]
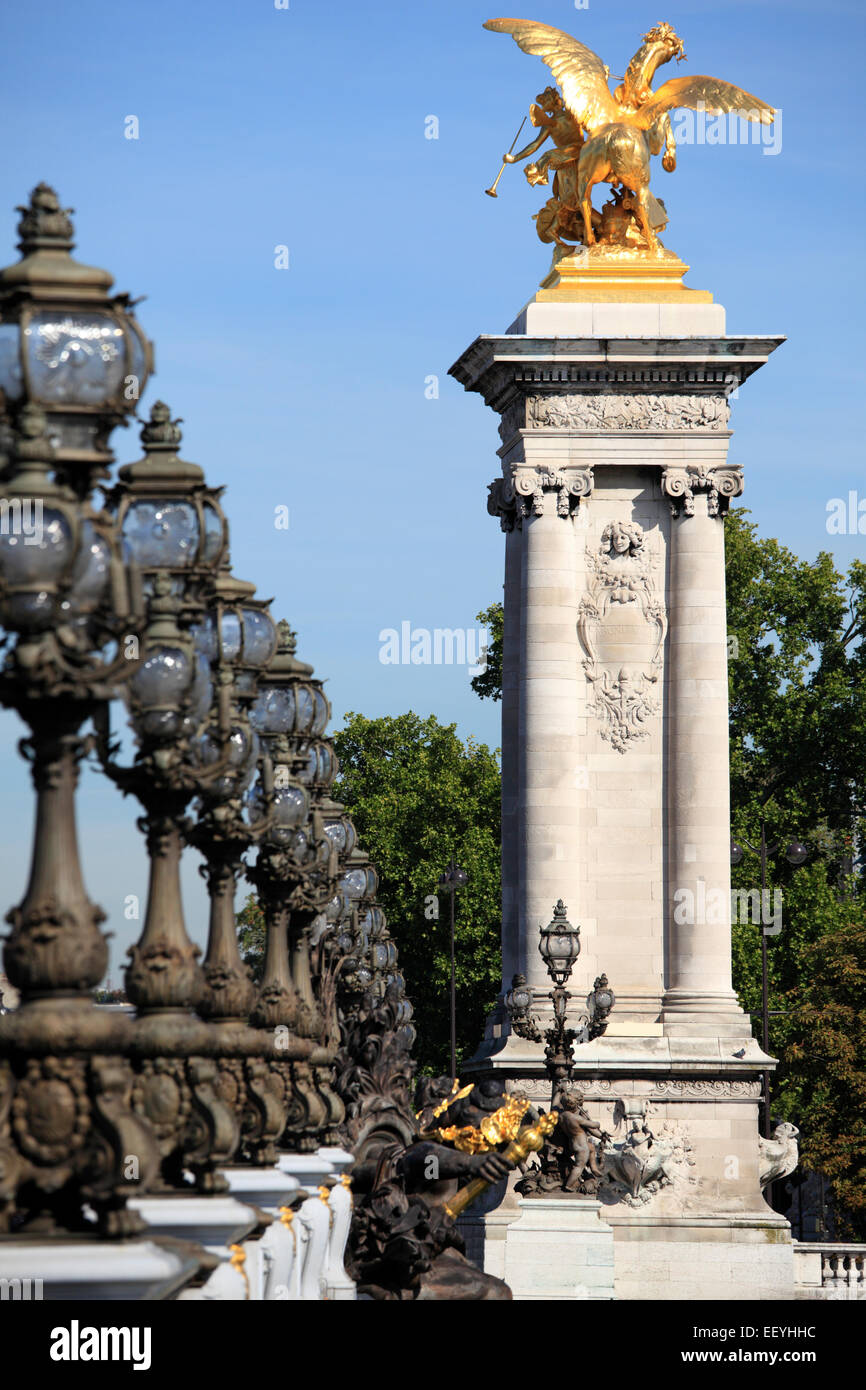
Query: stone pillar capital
[
  {"x": 522, "y": 494},
  {"x": 720, "y": 484}
]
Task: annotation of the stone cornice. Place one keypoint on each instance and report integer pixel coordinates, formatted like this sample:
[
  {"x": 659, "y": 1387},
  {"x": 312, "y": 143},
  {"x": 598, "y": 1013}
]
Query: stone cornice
[{"x": 501, "y": 368}]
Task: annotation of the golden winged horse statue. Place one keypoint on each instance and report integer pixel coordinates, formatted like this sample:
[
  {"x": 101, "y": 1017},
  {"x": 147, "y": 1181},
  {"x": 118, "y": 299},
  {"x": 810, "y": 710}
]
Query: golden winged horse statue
[{"x": 601, "y": 136}]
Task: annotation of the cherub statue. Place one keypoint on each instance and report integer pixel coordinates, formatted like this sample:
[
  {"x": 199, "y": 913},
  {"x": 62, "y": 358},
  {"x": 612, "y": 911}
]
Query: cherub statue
[
  {"x": 609, "y": 137},
  {"x": 571, "y": 1160},
  {"x": 580, "y": 1156}
]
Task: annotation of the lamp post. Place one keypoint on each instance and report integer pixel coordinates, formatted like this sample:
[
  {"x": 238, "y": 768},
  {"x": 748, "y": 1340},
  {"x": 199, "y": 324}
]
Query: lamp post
[
  {"x": 239, "y": 636},
  {"x": 191, "y": 741},
  {"x": 453, "y": 878},
  {"x": 59, "y": 610},
  {"x": 559, "y": 948},
  {"x": 796, "y": 854},
  {"x": 66, "y": 351},
  {"x": 295, "y": 875}
]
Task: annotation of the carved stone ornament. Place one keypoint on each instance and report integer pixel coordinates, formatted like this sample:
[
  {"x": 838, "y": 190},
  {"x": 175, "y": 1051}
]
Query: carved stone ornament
[
  {"x": 700, "y": 1089},
  {"x": 644, "y": 1163},
  {"x": 627, "y": 412},
  {"x": 513, "y": 419},
  {"x": 622, "y": 625},
  {"x": 780, "y": 1155},
  {"x": 720, "y": 484},
  {"x": 523, "y": 494}
]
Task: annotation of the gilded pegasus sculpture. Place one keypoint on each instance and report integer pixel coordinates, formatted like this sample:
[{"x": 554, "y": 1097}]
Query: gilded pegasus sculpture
[{"x": 601, "y": 136}]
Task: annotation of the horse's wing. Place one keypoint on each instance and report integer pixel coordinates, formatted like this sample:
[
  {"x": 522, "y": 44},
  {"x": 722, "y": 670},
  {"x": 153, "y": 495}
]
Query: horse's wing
[
  {"x": 710, "y": 94},
  {"x": 580, "y": 73}
]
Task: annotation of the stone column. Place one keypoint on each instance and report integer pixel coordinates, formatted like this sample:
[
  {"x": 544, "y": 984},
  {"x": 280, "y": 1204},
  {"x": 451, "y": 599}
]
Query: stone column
[
  {"x": 549, "y": 729},
  {"x": 699, "y": 999},
  {"x": 510, "y": 753}
]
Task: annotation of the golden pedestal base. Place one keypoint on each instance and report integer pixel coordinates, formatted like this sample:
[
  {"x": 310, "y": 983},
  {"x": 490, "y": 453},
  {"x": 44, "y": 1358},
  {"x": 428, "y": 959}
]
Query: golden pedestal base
[{"x": 611, "y": 275}]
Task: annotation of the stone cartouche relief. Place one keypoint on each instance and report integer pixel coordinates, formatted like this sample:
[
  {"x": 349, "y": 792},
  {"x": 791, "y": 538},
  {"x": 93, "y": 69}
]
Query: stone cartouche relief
[
  {"x": 645, "y": 1161},
  {"x": 622, "y": 625},
  {"x": 522, "y": 495},
  {"x": 590, "y": 411}
]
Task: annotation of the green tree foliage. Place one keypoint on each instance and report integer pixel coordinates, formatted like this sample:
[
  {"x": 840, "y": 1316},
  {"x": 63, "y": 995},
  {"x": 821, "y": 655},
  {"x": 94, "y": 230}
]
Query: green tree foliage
[
  {"x": 797, "y": 674},
  {"x": 251, "y": 935},
  {"x": 824, "y": 1061},
  {"x": 488, "y": 683},
  {"x": 417, "y": 795}
]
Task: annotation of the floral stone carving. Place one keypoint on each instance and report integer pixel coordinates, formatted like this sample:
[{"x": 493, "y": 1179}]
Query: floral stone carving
[
  {"x": 622, "y": 625},
  {"x": 589, "y": 411}
]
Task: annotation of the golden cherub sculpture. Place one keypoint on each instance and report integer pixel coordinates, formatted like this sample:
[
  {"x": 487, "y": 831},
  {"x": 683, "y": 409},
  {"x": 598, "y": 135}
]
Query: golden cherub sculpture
[{"x": 604, "y": 137}]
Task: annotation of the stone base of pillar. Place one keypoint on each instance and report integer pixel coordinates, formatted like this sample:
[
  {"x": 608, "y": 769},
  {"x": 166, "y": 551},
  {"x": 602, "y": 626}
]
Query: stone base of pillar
[
  {"x": 559, "y": 1248},
  {"x": 699, "y": 1097},
  {"x": 698, "y": 1014},
  {"x": 484, "y": 1236},
  {"x": 750, "y": 1257}
]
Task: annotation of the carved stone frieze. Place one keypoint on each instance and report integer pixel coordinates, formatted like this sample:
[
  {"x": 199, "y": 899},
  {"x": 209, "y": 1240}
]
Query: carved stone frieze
[
  {"x": 622, "y": 624},
  {"x": 720, "y": 484},
  {"x": 638, "y": 411},
  {"x": 522, "y": 495},
  {"x": 700, "y": 1089},
  {"x": 537, "y": 1091}
]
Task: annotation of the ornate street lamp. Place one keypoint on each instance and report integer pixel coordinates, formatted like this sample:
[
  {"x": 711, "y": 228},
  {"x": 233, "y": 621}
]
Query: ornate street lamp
[
  {"x": 177, "y": 549},
  {"x": 295, "y": 856},
  {"x": 518, "y": 1000},
  {"x": 66, "y": 344},
  {"x": 599, "y": 1003},
  {"x": 169, "y": 519},
  {"x": 240, "y": 632},
  {"x": 559, "y": 948},
  {"x": 559, "y": 945},
  {"x": 63, "y": 597},
  {"x": 240, "y": 635},
  {"x": 295, "y": 873}
]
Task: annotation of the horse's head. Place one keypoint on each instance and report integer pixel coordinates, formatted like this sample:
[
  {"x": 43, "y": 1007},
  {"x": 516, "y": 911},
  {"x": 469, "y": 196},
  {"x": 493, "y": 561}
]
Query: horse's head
[
  {"x": 659, "y": 45},
  {"x": 660, "y": 133},
  {"x": 668, "y": 40}
]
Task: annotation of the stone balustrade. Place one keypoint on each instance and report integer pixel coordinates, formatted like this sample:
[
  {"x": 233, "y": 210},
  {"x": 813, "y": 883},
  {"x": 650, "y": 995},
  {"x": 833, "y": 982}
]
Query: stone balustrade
[{"x": 830, "y": 1271}]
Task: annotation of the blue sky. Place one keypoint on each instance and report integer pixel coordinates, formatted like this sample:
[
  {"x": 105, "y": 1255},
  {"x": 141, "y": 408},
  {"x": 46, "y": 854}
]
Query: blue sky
[{"x": 305, "y": 127}]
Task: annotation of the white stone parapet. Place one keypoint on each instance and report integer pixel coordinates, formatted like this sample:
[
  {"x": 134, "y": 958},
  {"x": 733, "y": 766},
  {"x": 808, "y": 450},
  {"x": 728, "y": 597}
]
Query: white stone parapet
[{"x": 60, "y": 1269}]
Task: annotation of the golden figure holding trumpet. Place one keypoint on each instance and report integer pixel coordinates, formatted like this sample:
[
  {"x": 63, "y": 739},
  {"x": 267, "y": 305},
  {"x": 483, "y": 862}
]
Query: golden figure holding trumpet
[{"x": 599, "y": 136}]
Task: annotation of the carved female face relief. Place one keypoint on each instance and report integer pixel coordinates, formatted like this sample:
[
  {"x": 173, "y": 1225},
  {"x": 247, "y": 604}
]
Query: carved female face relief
[{"x": 621, "y": 538}]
